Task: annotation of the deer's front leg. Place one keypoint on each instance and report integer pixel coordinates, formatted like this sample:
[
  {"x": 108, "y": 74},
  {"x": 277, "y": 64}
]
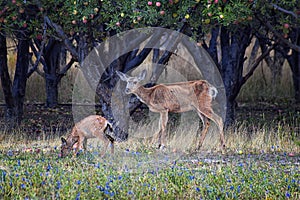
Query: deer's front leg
[
  {"x": 163, "y": 132},
  {"x": 79, "y": 145}
]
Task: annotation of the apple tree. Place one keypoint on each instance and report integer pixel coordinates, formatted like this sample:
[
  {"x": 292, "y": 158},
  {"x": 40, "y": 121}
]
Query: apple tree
[{"x": 225, "y": 28}]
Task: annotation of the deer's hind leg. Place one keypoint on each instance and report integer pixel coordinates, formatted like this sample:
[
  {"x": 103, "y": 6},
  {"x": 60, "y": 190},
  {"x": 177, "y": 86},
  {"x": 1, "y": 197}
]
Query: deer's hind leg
[
  {"x": 206, "y": 124},
  {"x": 101, "y": 136},
  {"x": 209, "y": 113}
]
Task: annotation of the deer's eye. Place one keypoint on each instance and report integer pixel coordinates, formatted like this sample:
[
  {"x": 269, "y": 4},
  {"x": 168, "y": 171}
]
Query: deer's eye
[{"x": 135, "y": 82}]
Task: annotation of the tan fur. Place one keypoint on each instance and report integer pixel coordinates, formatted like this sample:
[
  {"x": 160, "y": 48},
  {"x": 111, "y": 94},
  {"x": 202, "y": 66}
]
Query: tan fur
[
  {"x": 93, "y": 126},
  {"x": 177, "y": 97}
]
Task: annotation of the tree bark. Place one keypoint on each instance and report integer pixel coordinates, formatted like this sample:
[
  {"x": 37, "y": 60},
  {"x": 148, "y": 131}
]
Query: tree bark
[
  {"x": 294, "y": 62},
  {"x": 51, "y": 69},
  {"x": 20, "y": 78},
  {"x": 233, "y": 46},
  {"x": 5, "y": 79}
]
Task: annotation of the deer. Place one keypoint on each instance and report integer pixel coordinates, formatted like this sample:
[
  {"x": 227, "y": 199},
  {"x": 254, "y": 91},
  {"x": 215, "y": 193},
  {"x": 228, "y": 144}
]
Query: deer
[
  {"x": 93, "y": 126},
  {"x": 177, "y": 97}
]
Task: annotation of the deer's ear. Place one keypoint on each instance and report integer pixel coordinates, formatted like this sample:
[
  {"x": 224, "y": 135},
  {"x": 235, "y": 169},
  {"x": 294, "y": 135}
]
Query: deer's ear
[
  {"x": 142, "y": 75},
  {"x": 122, "y": 76},
  {"x": 63, "y": 141}
]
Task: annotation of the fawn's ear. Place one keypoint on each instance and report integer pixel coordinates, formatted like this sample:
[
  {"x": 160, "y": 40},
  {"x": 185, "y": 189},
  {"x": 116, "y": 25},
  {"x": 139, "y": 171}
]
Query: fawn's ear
[{"x": 63, "y": 141}]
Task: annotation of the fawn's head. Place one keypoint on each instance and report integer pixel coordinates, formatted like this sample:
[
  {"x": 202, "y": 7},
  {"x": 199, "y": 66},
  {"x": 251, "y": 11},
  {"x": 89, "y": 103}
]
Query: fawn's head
[
  {"x": 132, "y": 82},
  {"x": 67, "y": 146}
]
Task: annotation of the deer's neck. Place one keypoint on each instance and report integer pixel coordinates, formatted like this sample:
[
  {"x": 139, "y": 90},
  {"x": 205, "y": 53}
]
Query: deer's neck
[{"x": 143, "y": 94}]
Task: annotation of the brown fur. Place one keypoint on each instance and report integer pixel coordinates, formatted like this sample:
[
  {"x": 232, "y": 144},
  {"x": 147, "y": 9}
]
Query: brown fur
[
  {"x": 93, "y": 126},
  {"x": 177, "y": 97}
]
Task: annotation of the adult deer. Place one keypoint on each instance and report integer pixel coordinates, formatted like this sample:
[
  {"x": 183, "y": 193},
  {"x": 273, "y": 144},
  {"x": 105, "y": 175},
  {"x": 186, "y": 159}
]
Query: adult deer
[
  {"x": 93, "y": 126},
  {"x": 176, "y": 97}
]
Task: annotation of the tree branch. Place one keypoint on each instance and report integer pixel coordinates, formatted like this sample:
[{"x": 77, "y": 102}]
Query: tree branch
[
  {"x": 277, "y": 34},
  {"x": 41, "y": 59},
  {"x": 39, "y": 55},
  {"x": 284, "y": 10},
  {"x": 63, "y": 72},
  {"x": 63, "y": 36},
  {"x": 256, "y": 63},
  {"x": 143, "y": 54}
]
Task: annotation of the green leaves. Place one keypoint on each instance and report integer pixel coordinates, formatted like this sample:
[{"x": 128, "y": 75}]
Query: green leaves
[{"x": 87, "y": 15}]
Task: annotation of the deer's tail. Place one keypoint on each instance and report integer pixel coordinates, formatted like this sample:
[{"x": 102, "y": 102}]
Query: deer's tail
[{"x": 213, "y": 92}]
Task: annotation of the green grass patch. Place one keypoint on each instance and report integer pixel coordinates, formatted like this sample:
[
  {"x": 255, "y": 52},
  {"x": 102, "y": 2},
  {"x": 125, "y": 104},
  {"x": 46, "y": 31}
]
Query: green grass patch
[{"x": 38, "y": 173}]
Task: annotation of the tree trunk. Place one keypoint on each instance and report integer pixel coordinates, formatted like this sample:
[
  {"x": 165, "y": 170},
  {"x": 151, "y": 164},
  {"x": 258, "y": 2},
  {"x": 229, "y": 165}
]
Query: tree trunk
[
  {"x": 20, "y": 79},
  {"x": 51, "y": 69},
  {"x": 233, "y": 46},
  {"x": 294, "y": 62},
  {"x": 5, "y": 79},
  {"x": 118, "y": 114}
]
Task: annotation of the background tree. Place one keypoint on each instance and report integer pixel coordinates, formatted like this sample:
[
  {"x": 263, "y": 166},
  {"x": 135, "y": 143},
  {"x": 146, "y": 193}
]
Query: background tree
[{"x": 231, "y": 24}]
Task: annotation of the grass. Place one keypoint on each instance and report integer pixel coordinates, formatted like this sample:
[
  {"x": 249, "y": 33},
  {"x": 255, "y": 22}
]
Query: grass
[
  {"x": 262, "y": 163},
  {"x": 38, "y": 173}
]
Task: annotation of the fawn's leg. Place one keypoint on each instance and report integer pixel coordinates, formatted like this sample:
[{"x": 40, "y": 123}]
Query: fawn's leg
[{"x": 100, "y": 135}]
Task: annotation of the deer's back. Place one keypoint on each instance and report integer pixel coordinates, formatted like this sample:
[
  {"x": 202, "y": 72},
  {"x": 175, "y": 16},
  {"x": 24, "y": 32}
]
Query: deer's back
[
  {"x": 90, "y": 125},
  {"x": 179, "y": 97}
]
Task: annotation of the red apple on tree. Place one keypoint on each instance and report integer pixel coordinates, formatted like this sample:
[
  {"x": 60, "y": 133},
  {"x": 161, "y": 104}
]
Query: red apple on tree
[
  {"x": 149, "y": 3},
  {"x": 84, "y": 20},
  {"x": 162, "y": 12},
  {"x": 118, "y": 24},
  {"x": 158, "y": 4},
  {"x": 286, "y": 25}
]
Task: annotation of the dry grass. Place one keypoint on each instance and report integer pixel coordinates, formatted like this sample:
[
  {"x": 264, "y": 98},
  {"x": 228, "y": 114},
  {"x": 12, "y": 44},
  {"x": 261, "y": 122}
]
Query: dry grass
[{"x": 258, "y": 88}]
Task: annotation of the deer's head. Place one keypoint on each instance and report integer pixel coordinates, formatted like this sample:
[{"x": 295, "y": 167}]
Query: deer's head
[
  {"x": 132, "y": 82},
  {"x": 67, "y": 146}
]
